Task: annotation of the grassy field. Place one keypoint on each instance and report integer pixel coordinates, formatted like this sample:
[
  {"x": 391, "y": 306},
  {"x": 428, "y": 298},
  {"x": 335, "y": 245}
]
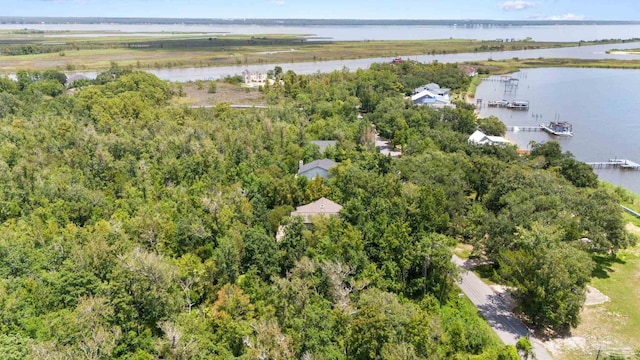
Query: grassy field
[
  {"x": 94, "y": 51},
  {"x": 197, "y": 94},
  {"x": 613, "y": 326}
]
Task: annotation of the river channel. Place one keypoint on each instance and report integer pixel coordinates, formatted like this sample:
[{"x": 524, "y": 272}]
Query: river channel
[{"x": 583, "y": 52}]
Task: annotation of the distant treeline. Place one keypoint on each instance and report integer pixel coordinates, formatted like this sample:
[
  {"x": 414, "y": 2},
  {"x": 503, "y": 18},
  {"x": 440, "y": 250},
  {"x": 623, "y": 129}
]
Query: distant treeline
[{"x": 299, "y": 22}]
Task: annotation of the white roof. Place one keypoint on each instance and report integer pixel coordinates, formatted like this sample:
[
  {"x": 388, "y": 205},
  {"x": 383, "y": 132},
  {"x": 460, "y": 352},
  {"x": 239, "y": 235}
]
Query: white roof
[
  {"x": 422, "y": 94},
  {"x": 439, "y": 98},
  {"x": 478, "y": 137},
  {"x": 497, "y": 139}
]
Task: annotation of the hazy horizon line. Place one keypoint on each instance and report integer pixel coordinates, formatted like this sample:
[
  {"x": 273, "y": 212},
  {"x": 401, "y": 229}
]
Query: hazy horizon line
[{"x": 335, "y": 21}]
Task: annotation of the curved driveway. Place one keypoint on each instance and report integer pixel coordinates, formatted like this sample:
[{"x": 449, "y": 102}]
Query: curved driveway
[{"x": 495, "y": 311}]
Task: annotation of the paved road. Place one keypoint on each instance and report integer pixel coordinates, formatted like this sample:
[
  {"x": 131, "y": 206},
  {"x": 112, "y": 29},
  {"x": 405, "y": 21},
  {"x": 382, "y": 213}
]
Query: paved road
[{"x": 495, "y": 311}]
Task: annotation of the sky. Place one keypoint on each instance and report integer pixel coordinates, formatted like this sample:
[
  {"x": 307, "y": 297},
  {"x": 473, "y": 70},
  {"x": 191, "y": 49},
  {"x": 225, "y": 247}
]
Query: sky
[{"x": 332, "y": 9}]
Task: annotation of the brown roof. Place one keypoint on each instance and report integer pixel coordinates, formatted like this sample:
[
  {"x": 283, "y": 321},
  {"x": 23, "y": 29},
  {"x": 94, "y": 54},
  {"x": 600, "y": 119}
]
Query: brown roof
[{"x": 322, "y": 206}]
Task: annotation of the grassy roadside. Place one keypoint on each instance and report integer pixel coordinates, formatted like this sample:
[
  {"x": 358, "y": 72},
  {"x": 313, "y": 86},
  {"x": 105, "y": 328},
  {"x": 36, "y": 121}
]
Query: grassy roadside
[
  {"x": 473, "y": 86},
  {"x": 612, "y": 326},
  {"x": 627, "y": 198},
  {"x": 202, "y": 50}
]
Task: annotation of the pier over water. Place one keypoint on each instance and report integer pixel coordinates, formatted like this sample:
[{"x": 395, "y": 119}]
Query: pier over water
[{"x": 615, "y": 163}]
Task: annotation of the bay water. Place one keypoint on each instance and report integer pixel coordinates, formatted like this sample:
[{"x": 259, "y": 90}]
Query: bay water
[
  {"x": 603, "y": 105},
  {"x": 464, "y": 30}
]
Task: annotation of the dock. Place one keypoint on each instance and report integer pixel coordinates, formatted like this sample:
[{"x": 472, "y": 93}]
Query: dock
[
  {"x": 615, "y": 163},
  {"x": 524, "y": 128},
  {"x": 553, "y": 128},
  {"x": 510, "y": 104}
]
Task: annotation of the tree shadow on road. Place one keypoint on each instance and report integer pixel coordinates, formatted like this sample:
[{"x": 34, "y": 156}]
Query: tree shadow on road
[{"x": 498, "y": 315}]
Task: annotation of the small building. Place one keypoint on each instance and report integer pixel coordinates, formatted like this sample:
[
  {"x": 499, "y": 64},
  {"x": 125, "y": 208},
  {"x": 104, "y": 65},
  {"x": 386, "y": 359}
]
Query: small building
[
  {"x": 255, "y": 77},
  {"x": 469, "y": 70},
  {"x": 480, "y": 138},
  {"x": 322, "y": 206},
  {"x": 316, "y": 168},
  {"x": 324, "y": 144}
]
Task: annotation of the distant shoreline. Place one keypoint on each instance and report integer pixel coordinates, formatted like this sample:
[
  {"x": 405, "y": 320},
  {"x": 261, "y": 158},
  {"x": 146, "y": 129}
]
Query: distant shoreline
[
  {"x": 624, "y": 52},
  {"x": 304, "y": 22}
]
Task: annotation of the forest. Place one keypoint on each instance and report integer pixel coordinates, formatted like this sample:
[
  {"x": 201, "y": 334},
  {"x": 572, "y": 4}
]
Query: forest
[{"x": 133, "y": 228}]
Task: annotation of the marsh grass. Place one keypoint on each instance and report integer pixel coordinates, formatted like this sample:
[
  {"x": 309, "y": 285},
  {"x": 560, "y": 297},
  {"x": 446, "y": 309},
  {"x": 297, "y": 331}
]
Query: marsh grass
[{"x": 96, "y": 51}]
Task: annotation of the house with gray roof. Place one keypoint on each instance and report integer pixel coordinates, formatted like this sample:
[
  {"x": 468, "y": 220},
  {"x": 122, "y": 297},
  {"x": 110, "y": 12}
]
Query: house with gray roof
[
  {"x": 433, "y": 88},
  {"x": 322, "y": 206},
  {"x": 324, "y": 144},
  {"x": 316, "y": 168}
]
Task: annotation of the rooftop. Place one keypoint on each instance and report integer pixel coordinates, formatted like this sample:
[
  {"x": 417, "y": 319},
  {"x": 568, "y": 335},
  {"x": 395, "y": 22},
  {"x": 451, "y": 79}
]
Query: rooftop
[
  {"x": 321, "y": 206},
  {"x": 324, "y": 144},
  {"x": 322, "y": 163}
]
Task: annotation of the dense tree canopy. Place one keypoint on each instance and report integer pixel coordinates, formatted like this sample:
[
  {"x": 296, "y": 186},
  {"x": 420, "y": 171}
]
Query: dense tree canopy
[{"x": 131, "y": 228}]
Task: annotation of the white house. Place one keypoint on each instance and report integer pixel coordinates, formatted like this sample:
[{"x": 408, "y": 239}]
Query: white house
[
  {"x": 480, "y": 138},
  {"x": 249, "y": 77},
  {"x": 431, "y": 94}
]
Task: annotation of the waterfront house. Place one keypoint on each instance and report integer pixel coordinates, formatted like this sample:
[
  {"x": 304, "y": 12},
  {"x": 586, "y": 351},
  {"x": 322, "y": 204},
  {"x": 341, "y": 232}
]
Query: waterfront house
[
  {"x": 434, "y": 88},
  {"x": 316, "y": 168},
  {"x": 480, "y": 138},
  {"x": 431, "y": 94}
]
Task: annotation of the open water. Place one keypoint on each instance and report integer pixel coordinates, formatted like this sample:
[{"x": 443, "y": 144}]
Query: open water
[
  {"x": 603, "y": 105},
  {"x": 366, "y": 32}
]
